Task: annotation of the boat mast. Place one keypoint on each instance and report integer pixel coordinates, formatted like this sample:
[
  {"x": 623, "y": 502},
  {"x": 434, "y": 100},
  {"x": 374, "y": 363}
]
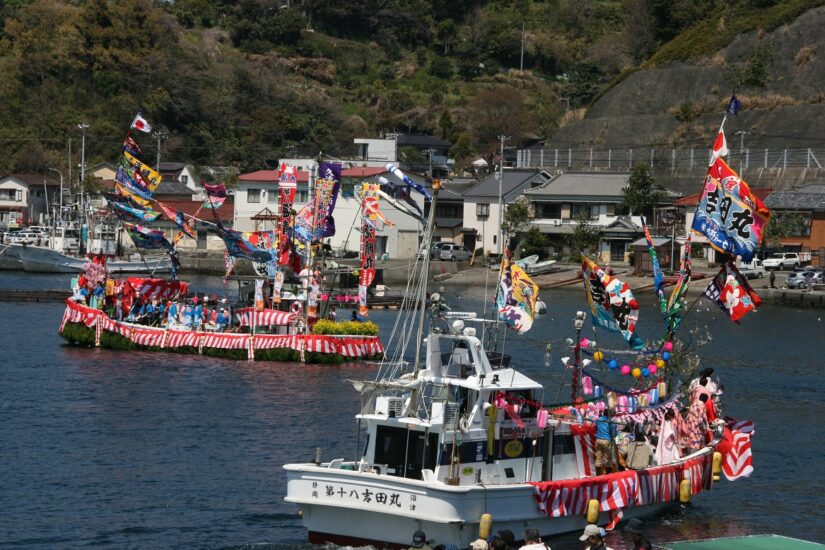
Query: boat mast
[{"x": 422, "y": 298}]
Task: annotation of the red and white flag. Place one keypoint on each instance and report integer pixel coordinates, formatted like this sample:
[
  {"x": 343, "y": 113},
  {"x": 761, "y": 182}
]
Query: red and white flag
[
  {"x": 141, "y": 124},
  {"x": 736, "y": 449},
  {"x": 720, "y": 146}
]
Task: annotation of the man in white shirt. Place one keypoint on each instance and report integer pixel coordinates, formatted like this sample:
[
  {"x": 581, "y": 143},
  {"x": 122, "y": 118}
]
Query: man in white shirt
[{"x": 532, "y": 540}]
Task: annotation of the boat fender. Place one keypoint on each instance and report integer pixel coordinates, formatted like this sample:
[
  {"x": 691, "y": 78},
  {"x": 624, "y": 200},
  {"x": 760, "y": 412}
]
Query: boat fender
[
  {"x": 485, "y": 526},
  {"x": 296, "y": 308},
  {"x": 592, "y": 511},
  {"x": 464, "y": 424},
  {"x": 684, "y": 491},
  {"x": 717, "y": 465}
]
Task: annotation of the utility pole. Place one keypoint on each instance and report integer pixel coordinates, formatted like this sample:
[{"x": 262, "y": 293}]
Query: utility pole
[
  {"x": 741, "y": 134},
  {"x": 502, "y": 139},
  {"x": 83, "y": 126},
  {"x": 159, "y": 135},
  {"x": 521, "y": 65},
  {"x": 61, "y": 189},
  {"x": 70, "y": 168}
]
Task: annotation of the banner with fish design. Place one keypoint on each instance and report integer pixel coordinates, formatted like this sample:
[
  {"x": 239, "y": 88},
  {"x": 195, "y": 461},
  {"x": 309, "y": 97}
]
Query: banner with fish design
[
  {"x": 312, "y": 221},
  {"x": 151, "y": 178},
  {"x": 732, "y": 293},
  {"x": 287, "y": 185},
  {"x": 237, "y": 245},
  {"x": 612, "y": 303},
  {"x": 150, "y": 239},
  {"x": 369, "y": 204},
  {"x": 728, "y": 214},
  {"x": 517, "y": 295},
  {"x": 123, "y": 210},
  {"x": 658, "y": 279},
  {"x": 392, "y": 168},
  {"x": 178, "y": 217},
  {"x": 129, "y": 186},
  {"x": 367, "y": 273},
  {"x": 676, "y": 303}
]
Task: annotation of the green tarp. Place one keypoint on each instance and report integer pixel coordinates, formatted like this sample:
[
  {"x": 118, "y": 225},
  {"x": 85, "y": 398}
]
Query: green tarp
[{"x": 754, "y": 542}]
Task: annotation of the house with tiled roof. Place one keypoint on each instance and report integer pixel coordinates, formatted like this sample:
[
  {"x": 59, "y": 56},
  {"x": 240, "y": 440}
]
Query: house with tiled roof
[
  {"x": 558, "y": 204},
  {"x": 25, "y": 199},
  {"x": 808, "y": 203}
]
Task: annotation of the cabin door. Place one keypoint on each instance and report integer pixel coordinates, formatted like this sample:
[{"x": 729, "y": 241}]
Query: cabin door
[{"x": 422, "y": 451}]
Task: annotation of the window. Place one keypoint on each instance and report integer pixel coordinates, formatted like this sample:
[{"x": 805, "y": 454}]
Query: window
[
  {"x": 253, "y": 195},
  {"x": 550, "y": 211},
  {"x": 482, "y": 210},
  {"x": 302, "y": 195},
  {"x": 272, "y": 196},
  {"x": 19, "y": 196},
  {"x": 184, "y": 179}
]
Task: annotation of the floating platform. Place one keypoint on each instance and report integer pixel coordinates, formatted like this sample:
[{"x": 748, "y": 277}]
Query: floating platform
[{"x": 751, "y": 542}]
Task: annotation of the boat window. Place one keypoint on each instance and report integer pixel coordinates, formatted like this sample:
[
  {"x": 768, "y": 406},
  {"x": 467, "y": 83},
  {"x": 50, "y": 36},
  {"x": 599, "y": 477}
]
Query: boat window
[
  {"x": 460, "y": 362},
  {"x": 563, "y": 445},
  {"x": 405, "y": 452}
]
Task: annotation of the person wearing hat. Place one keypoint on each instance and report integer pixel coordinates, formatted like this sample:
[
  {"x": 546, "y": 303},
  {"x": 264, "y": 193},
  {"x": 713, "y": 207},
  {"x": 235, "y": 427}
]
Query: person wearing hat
[
  {"x": 419, "y": 541},
  {"x": 479, "y": 544},
  {"x": 635, "y": 529},
  {"x": 594, "y": 536},
  {"x": 532, "y": 540}
]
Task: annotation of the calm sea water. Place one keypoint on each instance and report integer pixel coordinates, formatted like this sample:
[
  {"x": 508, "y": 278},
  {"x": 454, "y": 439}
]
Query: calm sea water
[{"x": 141, "y": 450}]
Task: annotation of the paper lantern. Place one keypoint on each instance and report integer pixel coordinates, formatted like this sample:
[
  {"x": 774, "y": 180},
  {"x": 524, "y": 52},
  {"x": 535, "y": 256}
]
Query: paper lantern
[
  {"x": 652, "y": 369},
  {"x": 662, "y": 387},
  {"x": 598, "y": 390},
  {"x": 668, "y": 346},
  {"x": 613, "y": 364},
  {"x": 598, "y": 357},
  {"x": 587, "y": 385},
  {"x": 611, "y": 400},
  {"x": 625, "y": 369},
  {"x": 660, "y": 363},
  {"x": 621, "y": 403},
  {"x": 646, "y": 371},
  {"x": 666, "y": 356},
  {"x": 643, "y": 400},
  {"x": 637, "y": 372},
  {"x": 584, "y": 342}
]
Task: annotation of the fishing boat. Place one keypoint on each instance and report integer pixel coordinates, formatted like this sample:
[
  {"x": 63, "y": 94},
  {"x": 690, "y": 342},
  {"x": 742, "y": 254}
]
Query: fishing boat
[{"x": 457, "y": 446}]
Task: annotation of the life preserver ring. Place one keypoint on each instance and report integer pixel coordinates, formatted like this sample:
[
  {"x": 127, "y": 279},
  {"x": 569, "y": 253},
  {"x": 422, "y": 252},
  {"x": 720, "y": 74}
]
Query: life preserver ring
[
  {"x": 464, "y": 424},
  {"x": 296, "y": 308}
]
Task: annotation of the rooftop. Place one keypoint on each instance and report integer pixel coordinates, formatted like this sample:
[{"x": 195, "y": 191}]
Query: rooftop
[
  {"x": 515, "y": 180},
  {"x": 811, "y": 197},
  {"x": 569, "y": 185}
]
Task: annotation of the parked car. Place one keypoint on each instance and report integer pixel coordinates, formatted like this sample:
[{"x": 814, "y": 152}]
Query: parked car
[
  {"x": 454, "y": 253},
  {"x": 801, "y": 279},
  {"x": 435, "y": 250},
  {"x": 753, "y": 270},
  {"x": 782, "y": 260}
]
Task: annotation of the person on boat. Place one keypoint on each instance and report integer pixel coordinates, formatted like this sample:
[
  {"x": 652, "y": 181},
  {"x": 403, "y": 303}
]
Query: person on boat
[
  {"x": 605, "y": 437},
  {"x": 172, "y": 314},
  {"x": 355, "y": 315},
  {"x": 419, "y": 541},
  {"x": 221, "y": 320},
  {"x": 187, "y": 316},
  {"x": 150, "y": 311},
  {"x": 594, "y": 536},
  {"x": 507, "y": 540},
  {"x": 532, "y": 540},
  {"x": 635, "y": 530},
  {"x": 639, "y": 454},
  {"x": 667, "y": 449},
  {"x": 119, "y": 307},
  {"x": 479, "y": 544},
  {"x": 332, "y": 314},
  {"x": 197, "y": 314}
]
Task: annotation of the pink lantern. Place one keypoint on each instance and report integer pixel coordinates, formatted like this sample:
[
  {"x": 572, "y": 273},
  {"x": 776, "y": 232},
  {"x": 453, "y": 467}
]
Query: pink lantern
[
  {"x": 625, "y": 369},
  {"x": 587, "y": 385},
  {"x": 668, "y": 346},
  {"x": 584, "y": 342},
  {"x": 541, "y": 420},
  {"x": 652, "y": 369}
]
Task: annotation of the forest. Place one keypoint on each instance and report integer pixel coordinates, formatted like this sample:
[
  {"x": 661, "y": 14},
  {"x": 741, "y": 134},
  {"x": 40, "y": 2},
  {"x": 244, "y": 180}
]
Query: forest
[{"x": 244, "y": 83}]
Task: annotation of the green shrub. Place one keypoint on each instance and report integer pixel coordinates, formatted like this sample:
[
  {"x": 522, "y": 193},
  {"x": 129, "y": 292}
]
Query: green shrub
[{"x": 352, "y": 328}]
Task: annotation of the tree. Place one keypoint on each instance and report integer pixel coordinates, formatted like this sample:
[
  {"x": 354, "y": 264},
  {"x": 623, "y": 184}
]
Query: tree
[
  {"x": 514, "y": 219},
  {"x": 782, "y": 225},
  {"x": 586, "y": 235},
  {"x": 534, "y": 242},
  {"x": 642, "y": 193}
]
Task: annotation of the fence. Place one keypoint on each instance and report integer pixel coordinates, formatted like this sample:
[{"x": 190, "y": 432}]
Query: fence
[{"x": 665, "y": 159}]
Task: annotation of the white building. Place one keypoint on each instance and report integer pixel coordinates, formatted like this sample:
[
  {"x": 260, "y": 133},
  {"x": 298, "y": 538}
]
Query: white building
[{"x": 25, "y": 199}]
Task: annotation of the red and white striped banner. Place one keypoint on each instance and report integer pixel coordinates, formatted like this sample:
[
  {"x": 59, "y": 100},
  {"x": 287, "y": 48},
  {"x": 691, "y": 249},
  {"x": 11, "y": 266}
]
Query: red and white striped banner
[
  {"x": 181, "y": 339},
  {"x": 158, "y": 288},
  {"x": 584, "y": 441},
  {"x": 625, "y": 489},
  {"x": 248, "y": 317},
  {"x": 144, "y": 336},
  {"x": 737, "y": 460},
  {"x": 224, "y": 340},
  {"x": 276, "y": 341}
]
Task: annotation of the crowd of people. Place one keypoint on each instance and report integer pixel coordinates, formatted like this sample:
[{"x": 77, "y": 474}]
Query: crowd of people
[
  {"x": 593, "y": 537},
  {"x": 636, "y": 446}
]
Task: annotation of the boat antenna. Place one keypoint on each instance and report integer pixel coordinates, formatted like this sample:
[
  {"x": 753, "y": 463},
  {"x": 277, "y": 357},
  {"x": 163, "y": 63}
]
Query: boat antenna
[{"x": 422, "y": 298}]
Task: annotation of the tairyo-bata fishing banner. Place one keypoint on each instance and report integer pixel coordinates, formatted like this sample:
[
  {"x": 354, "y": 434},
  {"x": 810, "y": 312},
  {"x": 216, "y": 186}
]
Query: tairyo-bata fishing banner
[
  {"x": 369, "y": 205},
  {"x": 151, "y": 177},
  {"x": 287, "y": 185},
  {"x": 237, "y": 245},
  {"x": 129, "y": 186},
  {"x": 517, "y": 295},
  {"x": 658, "y": 279},
  {"x": 367, "y": 274},
  {"x": 313, "y": 221},
  {"x": 150, "y": 239},
  {"x": 676, "y": 302},
  {"x": 728, "y": 214},
  {"x": 613, "y": 305},
  {"x": 732, "y": 293}
]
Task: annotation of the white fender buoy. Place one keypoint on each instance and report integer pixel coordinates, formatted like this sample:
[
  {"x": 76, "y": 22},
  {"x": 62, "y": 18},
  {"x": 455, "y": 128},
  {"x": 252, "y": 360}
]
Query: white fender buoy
[{"x": 541, "y": 308}]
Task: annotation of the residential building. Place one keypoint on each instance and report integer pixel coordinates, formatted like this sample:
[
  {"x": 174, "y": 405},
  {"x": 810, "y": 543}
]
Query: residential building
[
  {"x": 809, "y": 204},
  {"x": 381, "y": 150},
  {"x": 558, "y": 204},
  {"x": 423, "y": 154},
  {"x": 449, "y": 215},
  {"x": 26, "y": 199},
  {"x": 179, "y": 172},
  {"x": 257, "y": 191},
  {"x": 481, "y": 205}
]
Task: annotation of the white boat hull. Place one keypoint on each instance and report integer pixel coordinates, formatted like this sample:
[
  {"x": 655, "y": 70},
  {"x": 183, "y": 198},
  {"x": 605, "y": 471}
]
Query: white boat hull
[
  {"x": 333, "y": 513},
  {"x": 38, "y": 259}
]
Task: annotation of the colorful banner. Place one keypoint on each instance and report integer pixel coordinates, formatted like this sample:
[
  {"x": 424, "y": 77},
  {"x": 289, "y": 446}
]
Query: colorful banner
[
  {"x": 312, "y": 223},
  {"x": 410, "y": 183},
  {"x": 140, "y": 170},
  {"x": 399, "y": 193},
  {"x": 213, "y": 202},
  {"x": 658, "y": 279},
  {"x": 330, "y": 171},
  {"x": 612, "y": 303},
  {"x": 178, "y": 218},
  {"x": 259, "y": 295},
  {"x": 732, "y": 293},
  {"x": 237, "y": 245},
  {"x": 131, "y": 146},
  {"x": 676, "y": 302},
  {"x": 728, "y": 214},
  {"x": 122, "y": 209},
  {"x": 129, "y": 186},
  {"x": 287, "y": 184},
  {"x": 369, "y": 204},
  {"x": 367, "y": 274},
  {"x": 150, "y": 239},
  {"x": 277, "y": 285},
  {"x": 215, "y": 191},
  {"x": 517, "y": 295}
]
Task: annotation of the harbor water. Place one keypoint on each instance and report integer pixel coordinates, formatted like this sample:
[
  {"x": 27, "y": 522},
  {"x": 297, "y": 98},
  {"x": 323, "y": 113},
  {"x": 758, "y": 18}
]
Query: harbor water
[{"x": 158, "y": 450}]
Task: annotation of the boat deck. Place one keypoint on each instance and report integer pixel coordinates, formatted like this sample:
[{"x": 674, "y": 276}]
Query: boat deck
[{"x": 751, "y": 542}]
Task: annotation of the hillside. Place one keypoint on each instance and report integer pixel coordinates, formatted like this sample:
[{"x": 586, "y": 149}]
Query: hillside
[{"x": 244, "y": 83}]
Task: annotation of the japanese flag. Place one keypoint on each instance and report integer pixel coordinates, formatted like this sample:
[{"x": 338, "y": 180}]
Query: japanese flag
[
  {"x": 141, "y": 124},
  {"x": 720, "y": 147}
]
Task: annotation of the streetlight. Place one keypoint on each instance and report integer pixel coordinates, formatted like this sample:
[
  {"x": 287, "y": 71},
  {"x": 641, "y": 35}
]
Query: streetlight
[{"x": 61, "y": 189}]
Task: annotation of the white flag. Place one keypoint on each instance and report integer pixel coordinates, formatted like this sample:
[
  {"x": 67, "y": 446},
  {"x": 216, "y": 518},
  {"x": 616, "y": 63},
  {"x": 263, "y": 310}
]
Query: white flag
[{"x": 141, "y": 124}]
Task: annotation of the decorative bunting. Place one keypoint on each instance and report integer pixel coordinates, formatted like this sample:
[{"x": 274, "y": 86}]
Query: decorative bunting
[
  {"x": 517, "y": 295},
  {"x": 613, "y": 305}
]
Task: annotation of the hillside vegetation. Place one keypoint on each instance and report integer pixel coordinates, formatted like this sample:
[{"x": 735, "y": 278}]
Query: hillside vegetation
[{"x": 244, "y": 83}]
